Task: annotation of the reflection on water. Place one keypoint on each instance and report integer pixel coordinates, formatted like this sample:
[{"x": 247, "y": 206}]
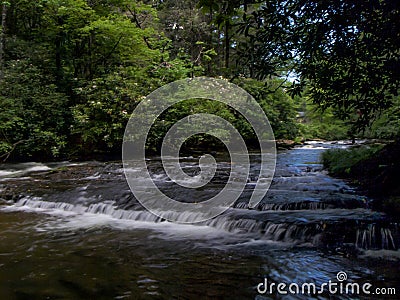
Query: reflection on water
[{"x": 88, "y": 239}]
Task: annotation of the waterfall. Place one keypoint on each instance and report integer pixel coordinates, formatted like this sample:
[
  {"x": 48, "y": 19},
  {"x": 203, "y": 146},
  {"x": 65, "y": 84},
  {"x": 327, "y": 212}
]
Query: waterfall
[
  {"x": 294, "y": 206},
  {"x": 376, "y": 237},
  {"x": 253, "y": 223},
  {"x": 229, "y": 222}
]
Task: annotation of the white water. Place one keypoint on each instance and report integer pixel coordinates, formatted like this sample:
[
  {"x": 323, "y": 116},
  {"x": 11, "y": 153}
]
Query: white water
[{"x": 301, "y": 203}]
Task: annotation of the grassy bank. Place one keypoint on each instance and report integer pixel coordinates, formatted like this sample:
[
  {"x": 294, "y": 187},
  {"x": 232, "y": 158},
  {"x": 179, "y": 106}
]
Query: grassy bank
[{"x": 373, "y": 168}]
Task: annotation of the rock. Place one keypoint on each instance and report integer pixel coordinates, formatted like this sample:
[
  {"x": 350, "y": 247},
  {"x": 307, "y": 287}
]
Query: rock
[{"x": 285, "y": 144}]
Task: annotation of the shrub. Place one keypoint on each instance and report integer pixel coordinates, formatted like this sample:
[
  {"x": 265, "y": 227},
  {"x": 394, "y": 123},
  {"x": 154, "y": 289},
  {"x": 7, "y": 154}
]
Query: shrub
[{"x": 339, "y": 162}]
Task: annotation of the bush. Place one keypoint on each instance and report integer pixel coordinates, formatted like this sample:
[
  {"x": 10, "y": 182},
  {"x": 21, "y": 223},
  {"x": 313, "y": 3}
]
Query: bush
[
  {"x": 325, "y": 131},
  {"x": 339, "y": 162},
  {"x": 33, "y": 118},
  {"x": 277, "y": 105}
]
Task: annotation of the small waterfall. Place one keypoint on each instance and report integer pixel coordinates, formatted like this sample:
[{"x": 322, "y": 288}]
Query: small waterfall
[
  {"x": 387, "y": 239},
  {"x": 253, "y": 223},
  {"x": 291, "y": 232},
  {"x": 35, "y": 202},
  {"x": 293, "y": 206},
  {"x": 280, "y": 232},
  {"x": 229, "y": 222},
  {"x": 377, "y": 237},
  {"x": 241, "y": 205},
  {"x": 231, "y": 225},
  {"x": 106, "y": 208},
  {"x": 303, "y": 205},
  {"x": 366, "y": 237}
]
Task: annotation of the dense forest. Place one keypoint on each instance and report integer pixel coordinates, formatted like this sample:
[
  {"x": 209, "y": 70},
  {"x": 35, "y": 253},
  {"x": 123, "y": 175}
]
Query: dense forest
[{"x": 72, "y": 71}]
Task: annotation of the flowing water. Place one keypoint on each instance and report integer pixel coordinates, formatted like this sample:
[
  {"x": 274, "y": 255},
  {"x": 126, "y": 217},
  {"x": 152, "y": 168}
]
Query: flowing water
[{"x": 74, "y": 231}]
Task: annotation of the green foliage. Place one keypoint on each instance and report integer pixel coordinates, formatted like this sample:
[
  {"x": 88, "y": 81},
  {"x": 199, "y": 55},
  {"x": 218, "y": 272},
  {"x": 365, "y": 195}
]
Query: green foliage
[
  {"x": 188, "y": 29},
  {"x": 320, "y": 123},
  {"x": 387, "y": 124},
  {"x": 278, "y": 106},
  {"x": 323, "y": 130},
  {"x": 105, "y": 103},
  {"x": 74, "y": 70},
  {"x": 103, "y": 110},
  {"x": 187, "y": 108},
  {"x": 345, "y": 52},
  {"x": 33, "y": 113},
  {"x": 339, "y": 162}
]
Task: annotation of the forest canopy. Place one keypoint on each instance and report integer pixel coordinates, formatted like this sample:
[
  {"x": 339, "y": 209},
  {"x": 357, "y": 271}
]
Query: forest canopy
[{"x": 72, "y": 71}]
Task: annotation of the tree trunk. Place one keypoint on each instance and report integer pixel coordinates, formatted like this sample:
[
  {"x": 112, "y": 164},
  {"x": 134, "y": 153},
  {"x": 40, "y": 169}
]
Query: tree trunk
[
  {"x": 227, "y": 44},
  {"x": 2, "y": 37},
  {"x": 58, "y": 59},
  {"x": 211, "y": 33}
]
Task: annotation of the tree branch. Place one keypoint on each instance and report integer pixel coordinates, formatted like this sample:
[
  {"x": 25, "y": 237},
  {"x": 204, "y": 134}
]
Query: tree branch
[
  {"x": 109, "y": 53},
  {"x": 7, "y": 154},
  {"x": 139, "y": 25}
]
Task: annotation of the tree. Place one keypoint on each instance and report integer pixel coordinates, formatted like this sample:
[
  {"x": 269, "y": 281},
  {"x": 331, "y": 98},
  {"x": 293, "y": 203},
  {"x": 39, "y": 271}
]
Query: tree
[
  {"x": 225, "y": 37},
  {"x": 276, "y": 103},
  {"x": 2, "y": 35},
  {"x": 73, "y": 71},
  {"x": 190, "y": 32},
  {"x": 33, "y": 117},
  {"x": 346, "y": 52}
]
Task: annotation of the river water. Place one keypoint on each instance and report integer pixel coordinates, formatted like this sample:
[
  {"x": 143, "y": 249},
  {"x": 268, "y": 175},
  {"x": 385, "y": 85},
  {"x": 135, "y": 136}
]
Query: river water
[{"x": 74, "y": 231}]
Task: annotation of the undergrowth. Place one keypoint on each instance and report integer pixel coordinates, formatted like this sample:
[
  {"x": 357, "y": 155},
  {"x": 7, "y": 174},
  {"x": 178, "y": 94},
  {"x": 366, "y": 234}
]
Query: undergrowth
[{"x": 339, "y": 162}]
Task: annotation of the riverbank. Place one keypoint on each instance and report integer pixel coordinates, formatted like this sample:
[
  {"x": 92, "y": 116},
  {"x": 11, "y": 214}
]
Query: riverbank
[{"x": 373, "y": 168}]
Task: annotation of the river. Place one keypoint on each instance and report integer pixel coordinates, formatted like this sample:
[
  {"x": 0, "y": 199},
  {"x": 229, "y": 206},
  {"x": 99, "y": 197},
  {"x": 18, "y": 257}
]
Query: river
[{"x": 74, "y": 231}]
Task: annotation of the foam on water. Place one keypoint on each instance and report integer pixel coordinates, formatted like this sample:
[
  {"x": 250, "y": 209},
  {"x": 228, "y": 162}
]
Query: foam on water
[
  {"x": 66, "y": 217},
  {"x": 18, "y": 170}
]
